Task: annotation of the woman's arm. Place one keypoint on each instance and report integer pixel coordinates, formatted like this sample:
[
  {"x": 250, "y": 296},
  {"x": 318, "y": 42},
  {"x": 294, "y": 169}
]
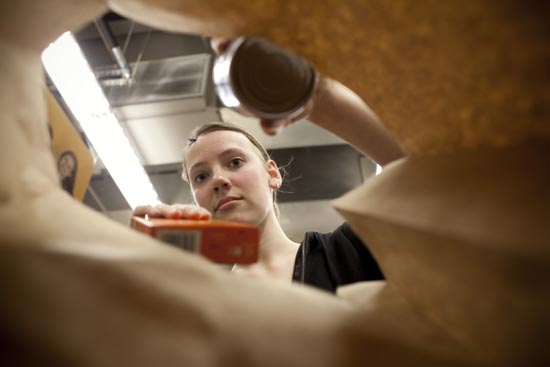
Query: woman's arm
[{"x": 339, "y": 110}]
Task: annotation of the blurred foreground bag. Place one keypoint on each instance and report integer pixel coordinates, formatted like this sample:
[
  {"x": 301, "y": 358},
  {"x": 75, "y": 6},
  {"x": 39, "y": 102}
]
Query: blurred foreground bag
[
  {"x": 466, "y": 239},
  {"x": 462, "y": 237}
]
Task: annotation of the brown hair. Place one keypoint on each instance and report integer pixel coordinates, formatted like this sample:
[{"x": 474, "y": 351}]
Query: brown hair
[{"x": 224, "y": 126}]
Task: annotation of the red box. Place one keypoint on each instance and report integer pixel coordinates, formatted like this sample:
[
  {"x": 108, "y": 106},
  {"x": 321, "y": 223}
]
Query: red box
[{"x": 220, "y": 241}]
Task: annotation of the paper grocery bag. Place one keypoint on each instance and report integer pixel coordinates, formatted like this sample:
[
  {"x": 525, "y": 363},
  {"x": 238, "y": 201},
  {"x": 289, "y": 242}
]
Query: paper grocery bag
[{"x": 465, "y": 237}]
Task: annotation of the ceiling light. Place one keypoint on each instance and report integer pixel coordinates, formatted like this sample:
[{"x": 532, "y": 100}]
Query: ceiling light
[{"x": 80, "y": 90}]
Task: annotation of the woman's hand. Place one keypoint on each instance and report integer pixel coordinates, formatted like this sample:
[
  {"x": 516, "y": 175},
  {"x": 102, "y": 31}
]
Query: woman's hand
[
  {"x": 175, "y": 211},
  {"x": 273, "y": 127}
]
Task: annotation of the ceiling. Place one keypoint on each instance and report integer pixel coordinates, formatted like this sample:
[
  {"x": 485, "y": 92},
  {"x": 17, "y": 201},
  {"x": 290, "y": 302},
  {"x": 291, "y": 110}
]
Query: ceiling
[{"x": 172, "y": 93}]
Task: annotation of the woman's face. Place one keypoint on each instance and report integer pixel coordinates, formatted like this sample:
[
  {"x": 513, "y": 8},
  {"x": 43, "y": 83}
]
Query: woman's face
[{"x": 230, "y": 179}]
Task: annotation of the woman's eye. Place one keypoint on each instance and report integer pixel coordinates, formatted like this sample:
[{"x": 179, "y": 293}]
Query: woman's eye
[
  {"x": 236, "y": 162},
  {"x": 199, "y": 178}
]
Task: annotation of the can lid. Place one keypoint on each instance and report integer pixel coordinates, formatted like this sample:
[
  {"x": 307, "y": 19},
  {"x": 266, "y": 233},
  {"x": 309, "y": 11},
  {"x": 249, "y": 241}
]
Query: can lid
[{"x": 269, "y": 80}]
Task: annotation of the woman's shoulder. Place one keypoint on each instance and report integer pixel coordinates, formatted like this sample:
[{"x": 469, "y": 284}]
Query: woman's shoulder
[{"x": 342, "y": 253}]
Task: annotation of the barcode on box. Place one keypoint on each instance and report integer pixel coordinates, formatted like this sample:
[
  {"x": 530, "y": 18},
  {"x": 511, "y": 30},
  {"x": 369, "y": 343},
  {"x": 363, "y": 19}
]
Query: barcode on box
[{"x": 186, "y": 240}]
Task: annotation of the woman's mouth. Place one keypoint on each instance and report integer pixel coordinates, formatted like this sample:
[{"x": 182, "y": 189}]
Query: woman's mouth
[{"x": 225, "y": 203}]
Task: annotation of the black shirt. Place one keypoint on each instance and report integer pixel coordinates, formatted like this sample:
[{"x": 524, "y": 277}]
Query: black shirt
[{"x": 329, "y": 260}]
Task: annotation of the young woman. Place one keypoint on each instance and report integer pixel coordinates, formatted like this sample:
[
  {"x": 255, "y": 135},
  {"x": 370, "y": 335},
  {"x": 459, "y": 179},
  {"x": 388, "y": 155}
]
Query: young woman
[{"x": 233, "y": 178}]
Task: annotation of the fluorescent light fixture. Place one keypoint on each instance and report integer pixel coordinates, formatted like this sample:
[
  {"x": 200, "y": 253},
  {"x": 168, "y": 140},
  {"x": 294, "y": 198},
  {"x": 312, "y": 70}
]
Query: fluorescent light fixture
[
  {"x": 378, "y": 170},
  {"x": 78, "y": 86}
]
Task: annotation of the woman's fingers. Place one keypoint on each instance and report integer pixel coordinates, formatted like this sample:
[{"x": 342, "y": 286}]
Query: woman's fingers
[
  {"x": 183, "y": 211},
  {"x": 219, "y": 44},
  {"x": 176, "y": 211},
  {"x": 143, "y": 210},
  {"x": 274, "y": 127}
]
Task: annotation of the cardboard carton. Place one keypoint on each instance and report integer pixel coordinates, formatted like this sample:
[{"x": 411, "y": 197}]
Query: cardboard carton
[{"x": 220, "y": 241}]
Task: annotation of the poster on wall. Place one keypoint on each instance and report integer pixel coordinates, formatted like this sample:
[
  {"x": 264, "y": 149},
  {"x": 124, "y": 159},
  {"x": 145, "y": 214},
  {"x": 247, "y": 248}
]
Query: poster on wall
[{"x": 75, "y": 164}]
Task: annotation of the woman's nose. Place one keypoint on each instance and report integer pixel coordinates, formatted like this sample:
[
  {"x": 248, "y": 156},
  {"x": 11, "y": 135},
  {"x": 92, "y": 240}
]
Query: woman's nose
[{"x": 221, "y": 182}]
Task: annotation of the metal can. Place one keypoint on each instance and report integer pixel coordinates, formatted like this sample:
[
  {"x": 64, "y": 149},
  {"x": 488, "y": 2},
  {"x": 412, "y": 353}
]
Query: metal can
[{"x": 256, "y": 78}]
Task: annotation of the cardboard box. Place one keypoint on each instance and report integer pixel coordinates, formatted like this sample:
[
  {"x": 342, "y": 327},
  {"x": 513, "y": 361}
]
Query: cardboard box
[{"x": 220, "y": 241}]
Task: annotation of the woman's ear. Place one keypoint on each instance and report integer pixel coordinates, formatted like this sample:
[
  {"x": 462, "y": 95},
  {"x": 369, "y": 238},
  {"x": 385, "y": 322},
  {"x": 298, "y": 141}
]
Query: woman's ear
[{"x": 275, "y": 178}]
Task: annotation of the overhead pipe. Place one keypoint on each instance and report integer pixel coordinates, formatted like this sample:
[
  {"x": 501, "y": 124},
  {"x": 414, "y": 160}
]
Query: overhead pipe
[{"x": 112, "y": 44}]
